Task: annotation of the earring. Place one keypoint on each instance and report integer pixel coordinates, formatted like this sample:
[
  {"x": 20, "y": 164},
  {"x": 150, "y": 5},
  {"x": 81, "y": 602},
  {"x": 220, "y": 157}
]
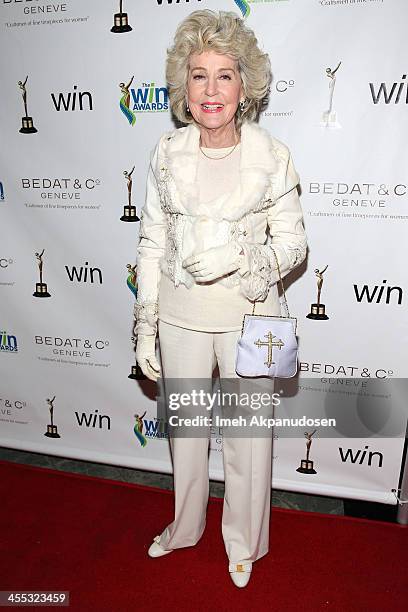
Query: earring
[
  {"x": 242, "y": 104},
  {"x": 187, "y": 107}
]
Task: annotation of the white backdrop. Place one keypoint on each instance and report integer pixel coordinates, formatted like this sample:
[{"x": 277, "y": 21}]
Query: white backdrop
[{"x": 62, "y": 189}]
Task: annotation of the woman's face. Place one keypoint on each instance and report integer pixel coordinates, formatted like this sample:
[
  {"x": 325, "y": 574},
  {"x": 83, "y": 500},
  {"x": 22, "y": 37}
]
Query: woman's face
[{"x": 214, "y": 89}]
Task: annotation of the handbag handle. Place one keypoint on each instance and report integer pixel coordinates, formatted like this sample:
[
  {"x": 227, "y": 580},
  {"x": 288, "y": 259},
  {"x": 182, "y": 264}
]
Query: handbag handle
[{"x": 281, "y": 282}]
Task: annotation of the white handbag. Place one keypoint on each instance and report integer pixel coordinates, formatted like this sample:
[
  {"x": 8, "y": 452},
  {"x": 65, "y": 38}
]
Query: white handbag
[{"x": 268, "y": 344}]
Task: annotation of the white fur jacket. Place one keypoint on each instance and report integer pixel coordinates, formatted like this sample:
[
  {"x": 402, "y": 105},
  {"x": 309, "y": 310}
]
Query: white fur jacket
[{"x": 266, "y": 198}]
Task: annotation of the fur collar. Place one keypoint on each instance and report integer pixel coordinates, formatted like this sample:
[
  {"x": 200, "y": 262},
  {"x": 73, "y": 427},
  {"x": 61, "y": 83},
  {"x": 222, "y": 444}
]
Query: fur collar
[{"x": 262, "y": 166}]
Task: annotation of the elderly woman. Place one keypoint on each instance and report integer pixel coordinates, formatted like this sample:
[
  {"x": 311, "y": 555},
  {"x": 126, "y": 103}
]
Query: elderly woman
[{"x": 214, "y": 189}]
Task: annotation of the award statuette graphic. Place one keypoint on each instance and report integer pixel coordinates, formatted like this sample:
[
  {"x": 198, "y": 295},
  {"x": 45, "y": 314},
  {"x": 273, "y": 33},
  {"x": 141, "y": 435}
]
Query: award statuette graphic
[
  {"x": 27, "y": 122},
  {"x": 317, "y": 310},
  {"x": 120, "y": 21},
  {"x": 52, "y": 431},
  {"x": 329, "y": 118},
  {"x": 306, "y": 465},
  {"x": 129, "y": 211},
  {"x": 41, "y": 289},
  {"x": 131, "y": 281}
]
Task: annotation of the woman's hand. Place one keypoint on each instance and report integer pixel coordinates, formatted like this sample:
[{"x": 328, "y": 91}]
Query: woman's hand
[
  {"x": 146, "y": 356},
  {"x": 215, "y": 262}
]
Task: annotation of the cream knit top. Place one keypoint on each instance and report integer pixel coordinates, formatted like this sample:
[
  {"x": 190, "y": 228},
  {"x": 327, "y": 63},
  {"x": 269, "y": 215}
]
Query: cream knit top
[{"x": 207, "y": 306}]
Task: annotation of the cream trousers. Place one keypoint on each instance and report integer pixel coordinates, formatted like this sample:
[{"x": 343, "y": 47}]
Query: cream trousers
[{"x": 187, "y": 353}]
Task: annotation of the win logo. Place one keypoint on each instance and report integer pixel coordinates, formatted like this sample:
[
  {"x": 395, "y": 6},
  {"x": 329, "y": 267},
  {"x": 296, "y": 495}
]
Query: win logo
[
  {"x": 360, "y": 457},
  {"x": 73, "y": 100},
  {"x": 376, "y": 294},
  {"x": 94, "y": 420},
  {"x": 83, "y": 274},
  {"x": 8, "y": 343},
  {"x": 390, "y": 94}
]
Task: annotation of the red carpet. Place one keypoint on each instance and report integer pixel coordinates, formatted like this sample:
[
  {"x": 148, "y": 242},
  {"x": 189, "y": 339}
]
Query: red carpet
[{"x": 88, "y": 535}]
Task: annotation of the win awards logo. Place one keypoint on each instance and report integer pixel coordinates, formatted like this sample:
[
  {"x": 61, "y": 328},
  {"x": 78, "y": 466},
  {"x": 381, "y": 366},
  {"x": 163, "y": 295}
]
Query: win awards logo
[
  {"x": 145, "y": 99},
  {"x": 154, "y": 428},
  {"x": 8, "y": 343}
]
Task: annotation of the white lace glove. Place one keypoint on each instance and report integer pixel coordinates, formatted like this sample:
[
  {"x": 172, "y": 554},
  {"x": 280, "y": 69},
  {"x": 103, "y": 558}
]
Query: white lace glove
[
  {"x": 215, "y": 262},
  {"x": 146, "y": 356}
]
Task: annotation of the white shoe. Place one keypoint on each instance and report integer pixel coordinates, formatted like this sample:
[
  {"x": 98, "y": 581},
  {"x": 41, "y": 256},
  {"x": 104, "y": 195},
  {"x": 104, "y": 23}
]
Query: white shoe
[
  {"x": 156, "y": 550},
  {"x": 240, "y": 573}
]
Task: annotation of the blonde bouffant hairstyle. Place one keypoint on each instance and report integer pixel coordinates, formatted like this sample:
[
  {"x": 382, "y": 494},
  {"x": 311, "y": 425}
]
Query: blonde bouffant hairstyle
[{"x": 225, "y": 33}]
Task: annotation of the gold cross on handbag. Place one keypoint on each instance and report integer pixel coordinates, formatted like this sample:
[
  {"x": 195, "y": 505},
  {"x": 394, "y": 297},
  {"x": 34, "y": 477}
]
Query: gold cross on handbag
[{"x": 269, "y": 343}]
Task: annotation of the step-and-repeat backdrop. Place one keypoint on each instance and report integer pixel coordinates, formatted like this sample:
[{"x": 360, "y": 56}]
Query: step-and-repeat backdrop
[{"x": 83, "y": 103}]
